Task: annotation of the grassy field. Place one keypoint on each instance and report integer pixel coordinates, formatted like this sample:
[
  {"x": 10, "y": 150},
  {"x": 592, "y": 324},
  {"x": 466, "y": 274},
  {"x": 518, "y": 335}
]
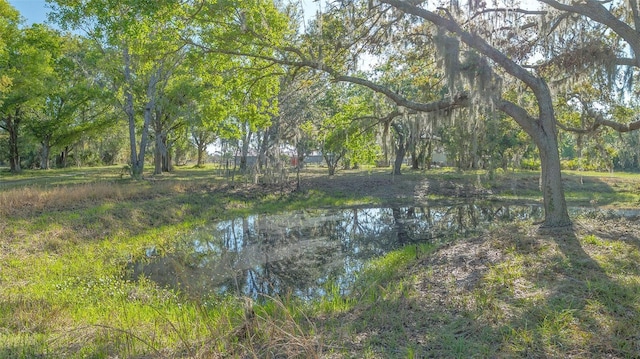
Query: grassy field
[{"x": 67, "y": 238}]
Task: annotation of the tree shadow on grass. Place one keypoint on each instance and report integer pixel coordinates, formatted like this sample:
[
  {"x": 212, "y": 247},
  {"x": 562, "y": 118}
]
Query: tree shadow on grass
[
  {"x": 589, "y": 308},
  {"x": 516, "y": 292},
  {"x": 599, "y": 191}
]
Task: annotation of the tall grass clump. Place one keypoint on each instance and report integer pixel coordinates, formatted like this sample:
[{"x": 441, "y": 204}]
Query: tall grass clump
[
  {"x": 33, "y": 199},
  {"x": 278, "y": 328}
]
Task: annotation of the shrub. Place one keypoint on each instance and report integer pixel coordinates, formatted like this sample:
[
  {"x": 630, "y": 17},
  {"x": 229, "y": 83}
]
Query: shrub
[{"x": 530, "y": 164}]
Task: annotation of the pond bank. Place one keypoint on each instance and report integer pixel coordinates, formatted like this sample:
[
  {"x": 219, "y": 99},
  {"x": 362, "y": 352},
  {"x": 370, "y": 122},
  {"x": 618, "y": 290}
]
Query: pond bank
[{"x": 510, "y": 291}]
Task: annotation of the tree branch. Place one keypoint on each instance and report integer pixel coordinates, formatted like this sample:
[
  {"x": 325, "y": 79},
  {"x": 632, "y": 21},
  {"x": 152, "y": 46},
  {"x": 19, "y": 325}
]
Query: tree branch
[
  {"x": 597, "y": 12},
  {"x": 538, "y": 86},
  {"x": 457, "y": 101},
  {"x": 460, "y": 100},
  {"x": 378, "y": 120},
  {"x": 600, "y": 121},
  {"x": 620, "y": 127},
  {"x": 519, "y": 114},
  {"x": 578, "y": 130},
  {"x": 474, "y": 41}
]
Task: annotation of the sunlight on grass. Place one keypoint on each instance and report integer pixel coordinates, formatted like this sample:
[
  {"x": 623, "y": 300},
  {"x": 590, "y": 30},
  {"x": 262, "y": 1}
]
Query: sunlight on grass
[{"x": 68, "y": 239}]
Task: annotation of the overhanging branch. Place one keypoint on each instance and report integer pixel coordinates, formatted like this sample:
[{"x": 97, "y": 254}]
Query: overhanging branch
[
  {"x": 600, "y": 121},
  {"x": 457, "y": 101}
]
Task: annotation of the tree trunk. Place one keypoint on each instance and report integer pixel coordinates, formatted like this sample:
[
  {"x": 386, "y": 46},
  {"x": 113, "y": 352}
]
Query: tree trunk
[
  {"x": 544, "y": 133},
  {"x": 159, "y": 144},
  {"x": 401, "y": 150},
  {"x": 555, "y": 206},
  {"x": 473, "y": 151},
  {"x": 144, "y": 137},
  {"x": 385, "y": 144},
  {"x": 129, "y": 110},
  {"x": 201, "y": 149},
  {"x": 161, "y": 158},
  {"x": 44, "y": 154},
  {"x": 300, "y": 158},
  {"x": 429, "y": 154},
  {"x": 332, "y": 161},
  {"x": 158, "y": 154},
  {"x": 264, "y": 148},
  {"x": 331, "y": 164},
  {"x": 201, "y": 140},
  {"x": 137, "y": 159},
  {"x": 62, "y": 158},
  {"x": 12, "y": 125},
  {"x": 245, "y": 150},
  {"x": 415, "y": 158},
  {"x": 166, "y": 155}
]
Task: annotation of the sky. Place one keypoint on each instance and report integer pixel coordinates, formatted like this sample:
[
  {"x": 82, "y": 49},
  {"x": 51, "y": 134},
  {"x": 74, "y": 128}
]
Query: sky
[{"x": 34, "y": 11}]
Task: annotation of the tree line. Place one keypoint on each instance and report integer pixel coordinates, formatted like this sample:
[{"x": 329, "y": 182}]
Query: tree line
[{"x": 545, "y": 85}]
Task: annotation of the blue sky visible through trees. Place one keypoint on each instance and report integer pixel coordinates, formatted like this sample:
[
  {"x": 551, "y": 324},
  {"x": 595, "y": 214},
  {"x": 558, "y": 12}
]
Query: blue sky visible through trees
[{"x": 35, "y": 11}]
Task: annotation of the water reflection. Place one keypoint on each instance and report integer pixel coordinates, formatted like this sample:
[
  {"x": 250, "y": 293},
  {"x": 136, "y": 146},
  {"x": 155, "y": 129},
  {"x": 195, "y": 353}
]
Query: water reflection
[{"x": 301, "y": 252}]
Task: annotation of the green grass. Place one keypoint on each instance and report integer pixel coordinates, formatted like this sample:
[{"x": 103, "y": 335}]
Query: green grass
[
  {"x": 516, "y": 308},
  {"x": 64, "y": 287},
  {"x": 68, "y": 236}
]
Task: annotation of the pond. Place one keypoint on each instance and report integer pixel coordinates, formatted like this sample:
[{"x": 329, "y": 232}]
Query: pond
[{"x": 305, "y": 252}]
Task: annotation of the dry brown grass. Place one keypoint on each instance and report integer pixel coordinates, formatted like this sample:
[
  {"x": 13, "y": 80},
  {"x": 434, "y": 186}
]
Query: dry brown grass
[{"x": 26, "y": 200}]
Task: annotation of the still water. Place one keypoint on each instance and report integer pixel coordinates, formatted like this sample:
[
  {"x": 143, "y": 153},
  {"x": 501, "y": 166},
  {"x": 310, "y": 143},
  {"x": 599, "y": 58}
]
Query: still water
[{"x": 301, "y": 253}]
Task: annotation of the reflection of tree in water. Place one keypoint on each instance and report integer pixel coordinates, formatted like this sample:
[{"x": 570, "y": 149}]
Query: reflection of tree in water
[{"x": 299, "y": 253}]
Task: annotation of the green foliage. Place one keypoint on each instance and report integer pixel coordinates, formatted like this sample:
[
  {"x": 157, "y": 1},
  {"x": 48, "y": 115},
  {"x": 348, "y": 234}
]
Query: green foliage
[
  {"x": 30, "y": 67},
  {"x": 346, "y": 130},
  {"x": 179, "y": 75},
  {"x": 252, "y": 93},
  {"x": 530, "y": 164},
  {"x": 628, "y": 152},
  {"x": 73, "y": 106},
  {"x": 9, "y": 19}
]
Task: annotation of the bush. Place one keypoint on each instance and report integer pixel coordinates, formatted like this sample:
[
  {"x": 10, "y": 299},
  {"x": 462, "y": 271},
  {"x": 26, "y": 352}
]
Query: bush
[
  {"x": 530, "y": 164},
  {"x": 572, "y": 164},
  {"x": 576, "y": 164}
]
